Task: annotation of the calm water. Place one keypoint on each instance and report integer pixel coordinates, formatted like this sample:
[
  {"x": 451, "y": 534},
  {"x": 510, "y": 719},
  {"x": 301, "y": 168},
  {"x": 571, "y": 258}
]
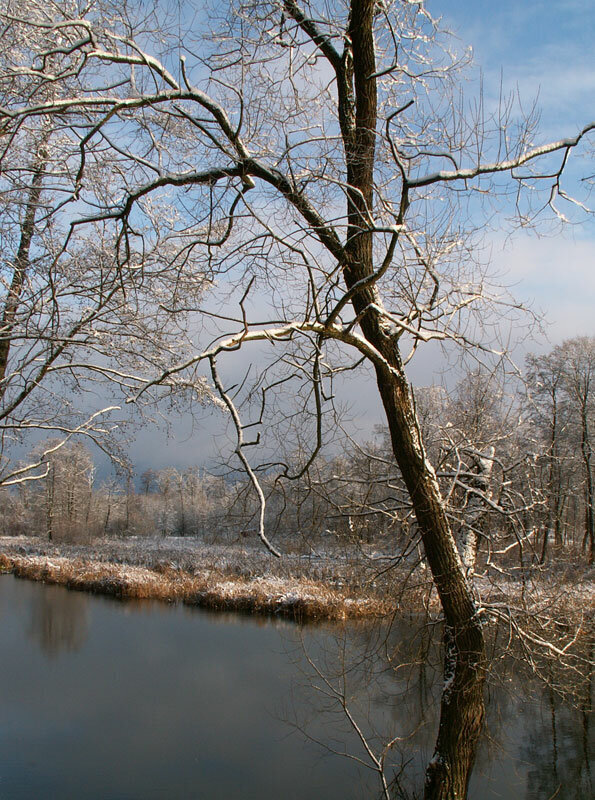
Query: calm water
[{"x": 121, "y": 701}]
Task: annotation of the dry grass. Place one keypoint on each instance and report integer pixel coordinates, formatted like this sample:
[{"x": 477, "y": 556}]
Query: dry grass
[
  {"x": 301, "y": 599},
  {"x": 335, "y": 584}
]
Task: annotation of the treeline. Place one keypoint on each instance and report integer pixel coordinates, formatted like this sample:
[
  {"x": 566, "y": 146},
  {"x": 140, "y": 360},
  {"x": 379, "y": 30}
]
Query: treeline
[{"x": 515, "y": 469}]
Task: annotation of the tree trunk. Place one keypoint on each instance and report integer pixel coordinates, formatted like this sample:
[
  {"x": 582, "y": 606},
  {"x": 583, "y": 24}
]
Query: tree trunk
[
  {"x": 21, "y": 265},
  {"x": 462, "y": 707},
  {"x": 554, "y": 478},
  {"x": 461, "y": 720},
  {"x": 476, "y": 513},
  {"x": 589, "y": 538},
  {"x": 50, "y": 499}
]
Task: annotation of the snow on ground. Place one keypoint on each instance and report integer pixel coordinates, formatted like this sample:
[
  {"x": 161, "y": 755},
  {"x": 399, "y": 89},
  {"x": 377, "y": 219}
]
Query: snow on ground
[
  {"x": 337, "y": 582},
  {"x": 235, "y": 577}
]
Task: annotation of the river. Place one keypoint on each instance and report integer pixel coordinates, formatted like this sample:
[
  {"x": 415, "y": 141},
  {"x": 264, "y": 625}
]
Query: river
[{"x": 127, "y": 701}]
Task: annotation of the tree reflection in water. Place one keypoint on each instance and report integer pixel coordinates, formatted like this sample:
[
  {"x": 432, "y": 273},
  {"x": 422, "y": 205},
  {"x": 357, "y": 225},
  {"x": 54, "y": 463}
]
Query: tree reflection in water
[
  {"x": 559, "y": 746},
  {"x": 387, "y": 680},
  {"x": 381, "y": 688},
  {"x": 59, "y": 620}
]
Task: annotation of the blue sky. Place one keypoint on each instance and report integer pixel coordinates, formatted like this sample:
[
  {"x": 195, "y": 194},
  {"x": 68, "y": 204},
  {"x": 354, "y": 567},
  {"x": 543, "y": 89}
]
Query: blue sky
[
  {"x": 540, "y": 50},
  {"x": 541, "y": 47}
]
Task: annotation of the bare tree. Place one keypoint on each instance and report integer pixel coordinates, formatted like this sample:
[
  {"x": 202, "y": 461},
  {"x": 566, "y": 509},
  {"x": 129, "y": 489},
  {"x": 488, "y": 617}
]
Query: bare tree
[
  {"x": 578, "y": 356},
  {"x": 561, "y": 389},
  {"x": 61, "y": 501},
  {"x": 73, "y": 295},
  {"x": 544, "y": 384},
  {"x": 317, "y": 151}
]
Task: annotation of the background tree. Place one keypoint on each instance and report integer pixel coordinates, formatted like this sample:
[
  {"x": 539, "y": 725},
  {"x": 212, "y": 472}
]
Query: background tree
[
  {"x": 561, "y": 392},
  {"x": 544, "y": 381},
  {"x": 72, "y": 296},
  {"x": 62, "y": 500},
  {"x": 579, "y": 380}
]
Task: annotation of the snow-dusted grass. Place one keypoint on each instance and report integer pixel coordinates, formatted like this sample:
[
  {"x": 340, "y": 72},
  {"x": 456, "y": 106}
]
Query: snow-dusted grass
[
  {"x": 184, "y": 570},
  {"x": 337, "y": 583}
]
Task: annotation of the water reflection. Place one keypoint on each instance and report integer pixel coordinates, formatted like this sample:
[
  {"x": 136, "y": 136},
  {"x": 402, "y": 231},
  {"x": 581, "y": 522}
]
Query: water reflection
[
  {"x": 170, "y": 702},
  {"x": 389, "y": 682},
  {"x": 59, "y": 620},
  {"x": 559, "y": 747}
]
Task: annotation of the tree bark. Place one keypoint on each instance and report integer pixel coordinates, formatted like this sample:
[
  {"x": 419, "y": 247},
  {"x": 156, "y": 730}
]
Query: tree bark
[
  {"x": 586, "y": 453},
  {"x": 462, "y": 708},
  {"x": 21, "y": 266},
  {"x": 475, "y": 518}
]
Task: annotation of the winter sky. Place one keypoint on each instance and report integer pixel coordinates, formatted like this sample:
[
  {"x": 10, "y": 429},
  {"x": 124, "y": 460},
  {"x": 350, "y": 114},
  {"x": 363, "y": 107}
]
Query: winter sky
[
  {"x": 537, "y": 49},
  {"x": 541, "y": 49}
]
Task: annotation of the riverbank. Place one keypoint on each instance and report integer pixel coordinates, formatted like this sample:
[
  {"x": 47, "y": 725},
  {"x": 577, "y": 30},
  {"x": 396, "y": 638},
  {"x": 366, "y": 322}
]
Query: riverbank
[
  {"x": 187, "y": 571},
  {"x": 334, "y": 585}
]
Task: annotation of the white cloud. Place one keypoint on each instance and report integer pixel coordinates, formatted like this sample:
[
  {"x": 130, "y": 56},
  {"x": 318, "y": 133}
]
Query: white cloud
[{"x": 555, "y": 275}]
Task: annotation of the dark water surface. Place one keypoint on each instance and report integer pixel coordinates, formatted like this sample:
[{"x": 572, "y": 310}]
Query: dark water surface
[{"x": 121, "y": 701}]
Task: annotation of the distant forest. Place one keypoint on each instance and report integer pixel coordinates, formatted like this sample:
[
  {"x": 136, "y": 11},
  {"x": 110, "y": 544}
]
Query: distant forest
[{"x": 515, "y": 468}]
